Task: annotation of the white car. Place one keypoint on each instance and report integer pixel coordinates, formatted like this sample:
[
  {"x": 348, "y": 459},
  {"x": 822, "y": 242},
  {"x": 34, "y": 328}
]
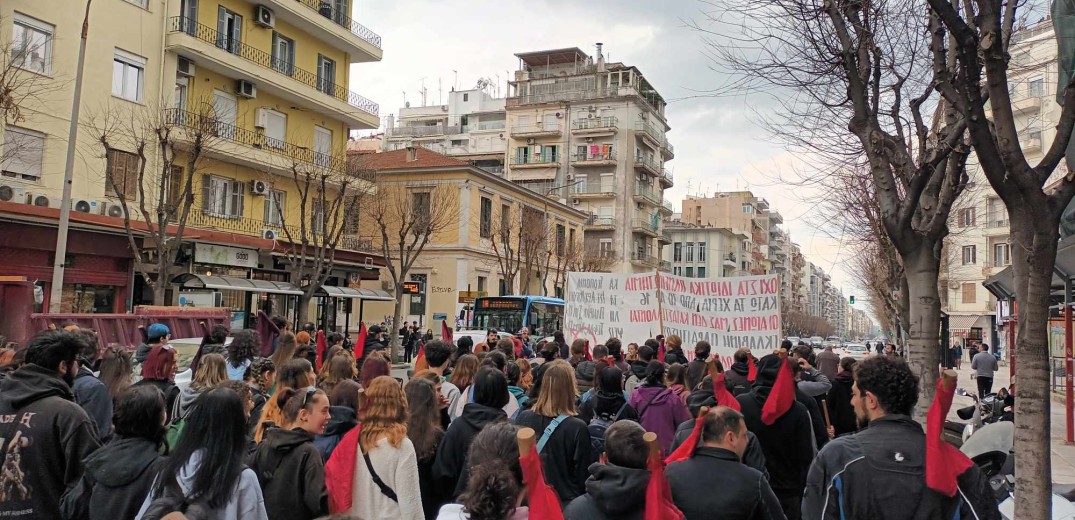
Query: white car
[
  {"x": 185, "y": 350},
  {"x": 856, "y": 350}
]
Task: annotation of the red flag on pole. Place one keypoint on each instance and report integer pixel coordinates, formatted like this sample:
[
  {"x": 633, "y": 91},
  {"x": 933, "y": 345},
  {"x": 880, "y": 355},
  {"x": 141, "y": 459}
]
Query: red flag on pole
[
  {"x": 660, "y": 351},
  {"x": 360, "y": 342},
  {"x": 944, "y": 463},
  {"x": 542, "y": 499},
  {"x": 420, "y": 362},
  {"x": 685, "y": 450},
  {"x": 659, "y": 504},
  {"x": 340, "y": 472},
  {"x": 322, "y": 345},
  {"x": 752, "y": 369},
  {"x": 782, "y": 395},
  {"x": 445, "y": 332}
]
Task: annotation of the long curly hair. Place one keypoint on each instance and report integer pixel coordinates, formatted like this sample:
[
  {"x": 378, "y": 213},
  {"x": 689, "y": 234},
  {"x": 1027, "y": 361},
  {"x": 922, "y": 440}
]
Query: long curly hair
[
  {"x": 496, "y": 479},
  {"x": 384, "y": 413},
  {"x": 244, "y": 346}
]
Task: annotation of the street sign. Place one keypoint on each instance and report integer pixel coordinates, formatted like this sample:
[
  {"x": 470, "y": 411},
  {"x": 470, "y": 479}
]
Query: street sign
[
  {"x": 437, "y": 316},
  {"x": 470, "y": 296},
  {"x": 412, "y": 287}
]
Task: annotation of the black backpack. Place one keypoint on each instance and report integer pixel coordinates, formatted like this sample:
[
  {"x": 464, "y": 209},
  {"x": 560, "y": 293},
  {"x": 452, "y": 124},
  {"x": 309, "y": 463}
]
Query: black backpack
[
  {"x": 599, "y": 424},
  {"x": 173, "y": 500}
]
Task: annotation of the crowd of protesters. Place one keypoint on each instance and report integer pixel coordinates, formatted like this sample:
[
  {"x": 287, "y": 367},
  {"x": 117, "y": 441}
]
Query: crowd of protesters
[{"x": 278, "y": 425}]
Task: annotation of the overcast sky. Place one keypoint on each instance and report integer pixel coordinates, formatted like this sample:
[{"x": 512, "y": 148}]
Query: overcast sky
[{"x": 718, "y": 145}]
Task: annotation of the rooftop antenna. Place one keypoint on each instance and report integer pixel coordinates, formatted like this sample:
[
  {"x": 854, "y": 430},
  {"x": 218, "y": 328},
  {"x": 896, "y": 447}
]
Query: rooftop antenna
[
  {"x": 404, "y": 98},
  {"x": 440, "y": 92},
  {"x": 455, "y": 80},
  {"x": 496, "y": 91},
  {"x": 423, "y": 91}
]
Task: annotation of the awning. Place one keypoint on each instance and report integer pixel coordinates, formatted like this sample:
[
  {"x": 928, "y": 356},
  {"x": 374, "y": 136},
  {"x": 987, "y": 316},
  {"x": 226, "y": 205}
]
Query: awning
[
  {"x": 347, "y": 292},
  {"x": 199, "y": 281},
  {"x": 962, "y": 322}
]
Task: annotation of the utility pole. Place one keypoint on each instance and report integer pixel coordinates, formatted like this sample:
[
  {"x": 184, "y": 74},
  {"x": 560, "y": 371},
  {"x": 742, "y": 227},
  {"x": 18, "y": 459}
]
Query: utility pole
[{"x": 59, "y": 259}]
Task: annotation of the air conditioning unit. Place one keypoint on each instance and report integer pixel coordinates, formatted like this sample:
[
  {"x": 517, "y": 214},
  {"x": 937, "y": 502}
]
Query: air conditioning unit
[
  {"x": 953, "y": 285},
  {"x": 575, "y": 202},
  {"x": 264, "y": 17},
  {"x": 261, "y": 118},
  {"x": 84, "y": 206},
  {"x": 270, "y": 234},
  {"x": 259, "y": 187},
  {"x": 530, "y": 141},
  {"x": 112, "y": 209},
  {"x": 11, "y": 193},
  {"x": 571, "y": 176},
  {"x": 39, "y": 199},
  {"x": 246, "y": 89},
  {"x": 184, "y": 67},
  {"x": 639, "y": 207},
  {"x": 388, "y": 286}
]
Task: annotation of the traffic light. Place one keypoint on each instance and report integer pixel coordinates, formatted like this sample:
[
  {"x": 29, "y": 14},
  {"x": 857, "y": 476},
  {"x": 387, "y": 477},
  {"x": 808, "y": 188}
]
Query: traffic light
[{"x": 852, "y": 300}]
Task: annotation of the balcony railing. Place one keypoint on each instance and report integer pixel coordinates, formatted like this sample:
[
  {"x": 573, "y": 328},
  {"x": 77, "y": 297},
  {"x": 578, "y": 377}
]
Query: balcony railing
[
  {"x": 650, "y": 130},
  {"x": 648, "y": 225},
  {"x": 668, "y": 147},
  {"x": 585, "y": 157},
  {"x": 996, "y": 221},
  {"x": 327, "y": 86},
  {"x": 667, "y": 205},
  {"x": 666, "y": 176},
  {"x": 583, "y": 94},
  {"x": 200, "y": 123},
  {"x": 422, "y": 131},
  {"x": 644, "y": 259},
  {"x": 647, "y": 193},
  {"x": 600, "y": 221},
  {"x": 539, "y": 158},
  {"x": 596, "y": 123},
  {"x": 592, "y": 189},
  {"x": 340, "y": 18},
  {"x": 536, "y": 129},
  {"x": 204, "y": 219},
  {"x": 487, "y": 125},
  {"x": 641, "y": 159}
]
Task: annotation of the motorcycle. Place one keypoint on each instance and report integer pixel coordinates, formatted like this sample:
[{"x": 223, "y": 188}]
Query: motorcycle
[{"x": 990, "y": 409}]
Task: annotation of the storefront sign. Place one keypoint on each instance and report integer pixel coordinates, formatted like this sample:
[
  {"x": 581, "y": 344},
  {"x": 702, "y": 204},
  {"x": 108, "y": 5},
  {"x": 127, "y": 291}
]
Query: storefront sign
[
  {"x": 470, "y": 296},
  {"x": 975, "y": 334},
  {"x": 225, "y": 255}
]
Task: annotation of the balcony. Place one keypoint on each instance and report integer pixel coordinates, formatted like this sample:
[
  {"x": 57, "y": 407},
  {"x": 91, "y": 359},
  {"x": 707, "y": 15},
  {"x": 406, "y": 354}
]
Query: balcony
[
  {"x": 1031, "y": 144},
  {"x": 203, "y": 219},
  {"x": 647, "y": 164},
  {"x": 647, "y": 226},
  {"x": 649, "y": 133},
  {"x": 665, "y": 237},
  {"x": 644, "y": 193},
  {"x": 593, "y": 191},
  {"x": 424, "y": 131},
  {"x": 485, "y": 126},
  {"x": 730, "y": 261},
  {"x": 595, "y": 126},
  {"x": 1027, "y": 105},
  {"x": 551, "y": 129},
  {"x": 537, "y": 160},
  {"x": 666, "y": 207},
  {"x": 234, "y": 59},
  {"x": 666, "y": 178},
  {"x": 584, "y": 94},
  {"x": 643, "y": 259},
  {"x": 668, "y": 151},
  {"x": 596, "y": 223},
  {"x": 665, "y": 266},
  {"x": 581, "y": 160},
  {"x": 333, "y": 26}
]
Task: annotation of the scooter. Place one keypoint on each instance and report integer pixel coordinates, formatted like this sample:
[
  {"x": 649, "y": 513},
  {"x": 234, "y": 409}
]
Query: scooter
[{"x": 987, "y": 410}]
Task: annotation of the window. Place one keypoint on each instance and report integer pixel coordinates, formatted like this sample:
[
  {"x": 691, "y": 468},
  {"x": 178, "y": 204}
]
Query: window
[
  {"x": 571, "y": 237},
  {"x": 326, "y": 75},
  {"x": 1034, "y": 137},
  {"x": 420, "y": 204},
  {"x": 678, "y": 271},
  {"x": 605, "y": 248},
  {"x": 485, "y": 223},
  {"x": 481, "y": 284},
  {"x": 122, "y": 175},
  {"x": 1036, "y": 87},
  {"x": 229, "y": 28},
  {"x": 701, "y": 253},
  {"x": 318, "y": 217},
  {"x": 677, "y": 252},
  {"x": 688, "y": 252},
  {"x": 966, "y": 217},
  {"x": 31, "y": 44},
  {"x": 688, "y": 272},
  {"x": 503, "y": 288},
  {"x": 322, "y": 146},
  {"x": 283, "y": 54},
  {"x": 275, "y": 129},
  {"x": 128, "y": 76},
  {"x": 505, "y": 222},
  {"x": 351, "y": 216},
  {"x": 466, "y": 97},
  {"x": 175, "y": 185},
  {"x": 23, "y": 154},
  {"x": 701, "y": 272},
  {"x": 969, "y": 255},
  {"x": 222, "y": 196},
  {"x": 1001, "y": 255},
  {"x": 144, "y": 4},
  {"x": 275, "y": 207},
  {"x": 561, "y": 238},
  {"x": 969, "y": 295},
  {"x": 748, "y": 209}
]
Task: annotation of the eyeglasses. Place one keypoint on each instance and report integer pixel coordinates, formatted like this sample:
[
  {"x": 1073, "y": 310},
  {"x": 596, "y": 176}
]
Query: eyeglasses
[{"x": 310, "y": 390}]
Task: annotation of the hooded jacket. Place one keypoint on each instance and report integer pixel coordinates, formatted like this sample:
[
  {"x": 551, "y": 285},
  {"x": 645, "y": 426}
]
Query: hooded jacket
[
  {"x": 121, "y": 474},
  {"x": 612, "y": 492},
  {"x": 744, "y": 493},
  {"x": 788, "y": 443},
  {"x": 603, "y": 403},
  {"x": 736, "y": 378},
  {"x": 168, "y": 389},
  {"x": 675, "y": 355},
  {"x": 696, "y": 371},
  {"x": 703, "y": 396},
  {"x": 567, "y": 455},
  {"x": 46, "y": 436},
  {"x": 584, "y": 374},
  {"x": 186, "y": 399},
  {"x": 817, "y": 421},
  {"x": 372, "y": 344},
  {"x": 660, "y": 411},
  {"x": 342, "y": 420},
  {"x": 841, "y": 413},
  {"x": 92, "y": 395},
  {"x": 292, "y": 475},
  {"x": 452, "y": 452}
]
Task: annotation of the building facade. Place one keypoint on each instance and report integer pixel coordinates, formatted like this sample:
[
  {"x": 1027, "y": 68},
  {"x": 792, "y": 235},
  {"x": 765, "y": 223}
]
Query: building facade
[{"x": 704, "y": 252}]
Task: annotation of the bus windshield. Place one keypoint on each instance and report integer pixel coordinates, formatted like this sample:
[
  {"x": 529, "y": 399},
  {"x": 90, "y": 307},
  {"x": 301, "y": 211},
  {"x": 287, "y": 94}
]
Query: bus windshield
[
  {"x": 501, "y": 320},
  {"x": 543, "y": 316}
]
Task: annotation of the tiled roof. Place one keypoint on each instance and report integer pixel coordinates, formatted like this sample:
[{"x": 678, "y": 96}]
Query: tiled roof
[{"x": 397, "y": 160}]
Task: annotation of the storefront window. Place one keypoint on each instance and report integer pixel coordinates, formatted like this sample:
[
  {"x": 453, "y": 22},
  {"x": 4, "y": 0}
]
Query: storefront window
[{"x": 88, "y": 299}]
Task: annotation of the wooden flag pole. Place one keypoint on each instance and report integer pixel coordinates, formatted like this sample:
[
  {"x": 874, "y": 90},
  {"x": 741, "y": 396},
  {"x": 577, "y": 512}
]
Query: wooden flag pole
[
  {"x": 526, "y": 439},
  {"x": 651, "y": 441},
  {"x": 660, "y": 302}
]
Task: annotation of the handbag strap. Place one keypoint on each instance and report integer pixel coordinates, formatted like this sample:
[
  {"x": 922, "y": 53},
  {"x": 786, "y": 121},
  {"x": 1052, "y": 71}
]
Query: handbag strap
[
  {"x": 388, "y": 492},
  {"x": 548, "y": 432}
]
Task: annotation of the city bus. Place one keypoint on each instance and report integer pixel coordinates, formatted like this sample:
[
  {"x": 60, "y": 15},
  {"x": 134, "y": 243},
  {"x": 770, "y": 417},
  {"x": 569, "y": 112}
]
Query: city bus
[{"x": 540, "y": 314}]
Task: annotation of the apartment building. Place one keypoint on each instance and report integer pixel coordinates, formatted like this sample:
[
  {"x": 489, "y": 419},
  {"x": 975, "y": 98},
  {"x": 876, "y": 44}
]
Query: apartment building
[
  {"x": 594, "y": 134},
  {"x": 271, "y": 76},
  {"x": 742, "y": 212},
  {"x": 464, "y": 258},
  {"x": 704, "y": 252},
  {"x": 470, "y": 126}
]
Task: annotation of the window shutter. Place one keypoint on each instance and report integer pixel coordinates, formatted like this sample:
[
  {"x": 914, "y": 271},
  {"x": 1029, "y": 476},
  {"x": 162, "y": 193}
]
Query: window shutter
[
  {"x": 207, "y": 193},
  {"x": 237, "y": 194}
]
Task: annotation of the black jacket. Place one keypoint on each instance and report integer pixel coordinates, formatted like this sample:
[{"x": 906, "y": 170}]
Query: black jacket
[
  {"x": 610, "y": 405},
  {"x": 46, "y": 436},
  {"x": 879, "y": 473},
  {"x": 92, "y": 396},
  {"x": 638, "y": 369},
  {"x": 743, "y": 493},
  {"x": 119, "y": 477},
  {"x": 696, "y": 371},
  {"x": 817, "y": 421},
  {"x": 788, "y": 443},
  {"x": 584, "y": 373},
  {"x": 291, "y": 474},
  {"x": 567, "y": 455},
  {"x": 168, "y": 388},
  {"x": 675, "y": 356},
  {"x": 452, "y": 452},
  {"x": 612, "y": 493},
  {"x": 753, "y": 457},
  {"x": 260, "y": 398},
  {"x": 736, "y": 378},
  {"x": 372, "y": 344},
  {"x": 841, "y": 413},
  {"x": 342, "y": 421}
]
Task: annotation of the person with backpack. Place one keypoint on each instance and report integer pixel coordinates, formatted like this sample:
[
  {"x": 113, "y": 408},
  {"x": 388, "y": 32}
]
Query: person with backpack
[
  {"x": 118, "y": 476},
  {"x": 288, "y": 465},
  {"x": 637, "y": 375},
  {"x": 660, "y": 410},
  {"x": 607, "y": 406},
  {"x": 616, "y": 489},
  {"x": 490, "y": 396},
  {"x": 205, "y": 474},
  {"x": 260, "y": 377},
  {"x": 159, "y": 371},
  {"x": 586, "y": 370},
  {"x": 563, "y": 439},
  {"x": 736, "y": 378},
  {"x": 513, "y": 373}
]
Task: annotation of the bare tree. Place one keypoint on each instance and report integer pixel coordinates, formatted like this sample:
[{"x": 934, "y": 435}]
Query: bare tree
[
  {"x": 504, "y": 238},
  {"x": 407, "y": 218},
  {"x": 520, "y": 247},
  {"x": 152, "y": 157},
  {"x": 858, "y": 80},
  {"x": 977, "y": 34},
  {"x": 329, "y": 190}
]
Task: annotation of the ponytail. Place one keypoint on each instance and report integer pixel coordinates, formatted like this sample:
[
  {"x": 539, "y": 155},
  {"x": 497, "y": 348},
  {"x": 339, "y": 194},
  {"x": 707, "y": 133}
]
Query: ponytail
[{"x": 292, "y": 401}]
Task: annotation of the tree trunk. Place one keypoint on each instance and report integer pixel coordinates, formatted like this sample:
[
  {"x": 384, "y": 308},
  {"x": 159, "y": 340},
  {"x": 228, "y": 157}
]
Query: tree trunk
[
  {"x": 395, "y": 346},
  {"x": 157, "y": 290},
  {"x": 302, "y": 309},
  {"x": 922, "y": 268},
  {"x": 1033, "y": 257}
]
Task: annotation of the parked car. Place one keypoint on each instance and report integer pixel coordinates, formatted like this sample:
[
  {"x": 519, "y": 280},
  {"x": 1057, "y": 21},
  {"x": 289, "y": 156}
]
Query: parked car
[
  {"x": 856, "y": 350},
  {"x": 816, "y": 341},
  {"x": 794, "y": 340}
]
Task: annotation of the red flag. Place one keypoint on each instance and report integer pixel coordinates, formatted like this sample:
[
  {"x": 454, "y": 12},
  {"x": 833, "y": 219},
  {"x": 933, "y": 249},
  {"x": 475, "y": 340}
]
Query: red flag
[
  {"x": 752, "y": 369},
  {"x": 322, "y": 345},
  {"x": 340, "y": 471},
  {"x": 420, "y": 362},
  {"x": 944, "y": 463},
  {"x": 659, "y": 504},
  {"x": 660, "y": 351},
  {"x": 518, "y": 344},
  {"x": 589, "y": 352},
  {"x": 685, "y": 450},
  {"x": 782, "y": 395},
  {"x": 723, "y": 396},
  {"x": 360, "y": 343},
  {"x": 445, "y": 332},
  {"x": 542, "y": 499}
]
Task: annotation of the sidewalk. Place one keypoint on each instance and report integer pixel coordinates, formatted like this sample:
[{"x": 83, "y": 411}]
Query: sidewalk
[{"x": 1063, "y": 454}]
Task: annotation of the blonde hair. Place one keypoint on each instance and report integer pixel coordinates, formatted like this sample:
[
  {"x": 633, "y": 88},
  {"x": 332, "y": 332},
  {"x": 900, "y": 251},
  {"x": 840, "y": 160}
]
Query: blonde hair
[
  {"x": 211, "y": 372},
  {"x": 526, "y": 377},
  {"x": 558, "y": 391},
  {"x": 465, "y": 369},
  {"x": 673, "y": 341},
  {"x": 384, "y": 413}
]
